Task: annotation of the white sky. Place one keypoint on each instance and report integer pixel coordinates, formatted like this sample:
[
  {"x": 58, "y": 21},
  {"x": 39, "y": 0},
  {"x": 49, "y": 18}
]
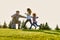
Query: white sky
[{"x": 46, "y": 10}]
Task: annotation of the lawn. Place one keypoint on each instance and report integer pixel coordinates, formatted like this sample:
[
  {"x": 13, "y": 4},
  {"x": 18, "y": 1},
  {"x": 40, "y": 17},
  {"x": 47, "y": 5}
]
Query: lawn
[{"x": 14, "y": 34}]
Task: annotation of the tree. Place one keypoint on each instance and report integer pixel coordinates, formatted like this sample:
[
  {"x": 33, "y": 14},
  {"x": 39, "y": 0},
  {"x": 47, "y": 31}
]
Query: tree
[
  {"x": 10, "y": 25},
  {"x": 0, "y": 26},
  {"x": 41, "y": 26},
  {"x": 4, "y": 25},
  {"x": 22, "y": 26},
  {"x": 47, "y": 27},
  {"x": 57, "y": 27}
]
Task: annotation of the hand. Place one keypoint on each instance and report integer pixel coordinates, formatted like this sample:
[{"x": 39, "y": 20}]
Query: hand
[{"x": 37, "y": 17}]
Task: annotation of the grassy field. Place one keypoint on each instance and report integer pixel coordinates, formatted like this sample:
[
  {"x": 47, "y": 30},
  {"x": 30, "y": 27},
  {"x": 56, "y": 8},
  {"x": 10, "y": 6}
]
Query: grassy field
[{"x": 13, "y": 34}]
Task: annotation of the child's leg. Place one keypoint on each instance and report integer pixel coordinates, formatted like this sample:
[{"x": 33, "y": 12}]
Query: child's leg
[
  {"x": 36, "y": 24},
  {"x": 33, "y": 24},
  {"x": 13, "y": 26}
]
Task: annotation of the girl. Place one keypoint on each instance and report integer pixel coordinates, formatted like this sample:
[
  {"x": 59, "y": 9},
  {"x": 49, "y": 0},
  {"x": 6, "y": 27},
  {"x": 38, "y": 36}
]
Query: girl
[{"x": 28, "y": 16}]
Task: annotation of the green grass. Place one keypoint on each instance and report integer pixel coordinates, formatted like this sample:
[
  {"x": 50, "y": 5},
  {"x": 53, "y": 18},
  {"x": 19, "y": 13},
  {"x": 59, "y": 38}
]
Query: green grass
[{"x": 13, "y": 34}]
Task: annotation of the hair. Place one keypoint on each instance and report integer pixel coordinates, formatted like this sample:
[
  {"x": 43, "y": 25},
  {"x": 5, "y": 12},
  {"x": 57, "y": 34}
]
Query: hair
[
  {"x": 17, "y": 11},
  {"x": 29, "y": 10},
  {"x": 34, "y": 14}
]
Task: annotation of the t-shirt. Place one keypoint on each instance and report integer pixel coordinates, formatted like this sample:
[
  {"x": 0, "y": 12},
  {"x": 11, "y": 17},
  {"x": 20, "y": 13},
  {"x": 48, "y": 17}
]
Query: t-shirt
[
  {"x": 15, "y": 18},
  {"x": 34, "y": 19},
  {"x": 29, "y": 16}
]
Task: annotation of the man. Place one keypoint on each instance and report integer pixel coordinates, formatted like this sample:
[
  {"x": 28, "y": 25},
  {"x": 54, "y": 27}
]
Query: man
[{"x": 15, "y": 19}]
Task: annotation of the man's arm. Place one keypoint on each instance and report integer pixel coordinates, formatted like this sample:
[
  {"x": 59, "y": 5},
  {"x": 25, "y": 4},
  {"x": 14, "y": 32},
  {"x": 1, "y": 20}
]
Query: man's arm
[
  {"x": 13, "y": 16},
  {"x": 22, "y": 16}
]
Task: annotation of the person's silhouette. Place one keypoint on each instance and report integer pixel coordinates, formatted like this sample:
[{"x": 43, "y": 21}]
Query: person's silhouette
[
  {"x": 34, "y": 21},
  {"x": 28, "y": 16},
  {"x": 15, "y": 19}
]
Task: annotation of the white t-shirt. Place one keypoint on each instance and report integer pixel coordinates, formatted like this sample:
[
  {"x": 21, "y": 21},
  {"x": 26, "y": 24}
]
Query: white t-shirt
[
  {"x": 28, "y": 16},
  {"x": 15, "y": 17}
]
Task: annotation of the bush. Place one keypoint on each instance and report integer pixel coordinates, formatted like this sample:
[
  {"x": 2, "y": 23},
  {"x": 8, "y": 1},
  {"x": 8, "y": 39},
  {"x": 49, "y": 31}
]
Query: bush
[
  {"x": 47, "y": 27},
  {"x": 0, "y": 26},
  {"x": 57, "y": 27},
  {"x": 44, "y": 26},
  {"x": 10, "y": 25},
  {"x": 4, "y": 25}
]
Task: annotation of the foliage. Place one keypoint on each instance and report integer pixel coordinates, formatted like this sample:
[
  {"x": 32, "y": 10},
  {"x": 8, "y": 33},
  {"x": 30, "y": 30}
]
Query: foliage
[
  {"x": 4, "y": 25},
  {"x": 47, "y": 26},
  {"x": 10, "y": 25},
  {"x": 57, "y": 27},
  {"x": 44, "y": 26},
  {"x": 0, "y": 26}
]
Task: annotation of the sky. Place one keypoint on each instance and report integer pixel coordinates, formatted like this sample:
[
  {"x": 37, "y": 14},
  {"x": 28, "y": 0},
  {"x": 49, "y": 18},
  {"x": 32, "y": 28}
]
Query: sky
[{"x": 46, "y": 10}]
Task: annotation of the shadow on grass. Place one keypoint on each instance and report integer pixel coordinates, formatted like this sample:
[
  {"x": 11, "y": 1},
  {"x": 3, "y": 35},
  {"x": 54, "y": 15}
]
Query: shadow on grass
[
  {"x": 57, "y": 30},
  {"x": 44, "y": 31},
  {"x": 33, "y": 30},
  {"x": 52, "y": 33}
]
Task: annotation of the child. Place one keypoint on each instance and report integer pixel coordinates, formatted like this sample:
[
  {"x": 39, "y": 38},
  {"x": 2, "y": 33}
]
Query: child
[
  {"x": 28, "y": 16},
  {"x": 34, "y": 21}
]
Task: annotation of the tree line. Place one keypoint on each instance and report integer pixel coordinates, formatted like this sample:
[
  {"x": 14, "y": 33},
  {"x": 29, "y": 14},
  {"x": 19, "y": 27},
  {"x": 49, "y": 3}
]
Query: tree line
[{"x": 41, "y": 26}]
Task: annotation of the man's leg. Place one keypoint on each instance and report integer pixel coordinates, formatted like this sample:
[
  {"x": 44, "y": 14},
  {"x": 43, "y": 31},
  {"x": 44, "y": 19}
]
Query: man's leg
[
  {"x": 19, "y": 24},
  {"x": 13, "y": 26}
]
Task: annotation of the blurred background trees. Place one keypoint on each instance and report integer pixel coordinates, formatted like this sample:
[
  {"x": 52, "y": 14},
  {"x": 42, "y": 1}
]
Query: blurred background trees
[
  {"x": 57, "y": 27},
  {"x": 5, "y": 25},
  {"x": 41, "y": 26},
  {"x": 44, "y": 26}
]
